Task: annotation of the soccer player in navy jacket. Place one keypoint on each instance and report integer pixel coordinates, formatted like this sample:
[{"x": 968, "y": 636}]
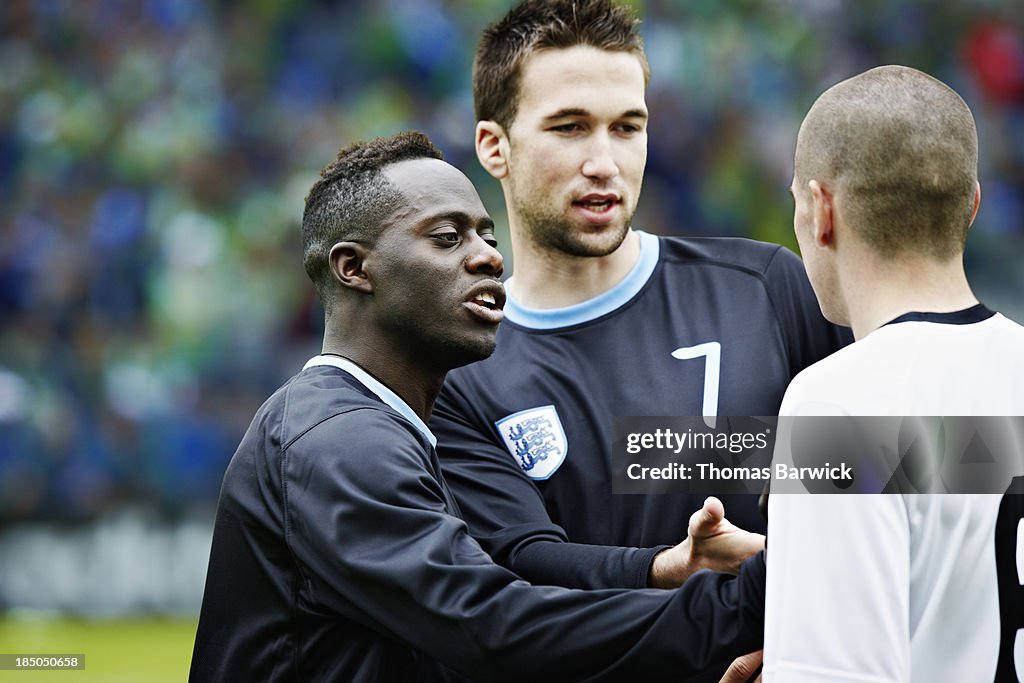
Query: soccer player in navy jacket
[{"x": 339, "y": 553}]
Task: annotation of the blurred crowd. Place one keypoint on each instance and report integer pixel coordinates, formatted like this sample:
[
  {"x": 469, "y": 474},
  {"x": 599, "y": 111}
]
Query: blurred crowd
[{"x": 154, "y": 156}]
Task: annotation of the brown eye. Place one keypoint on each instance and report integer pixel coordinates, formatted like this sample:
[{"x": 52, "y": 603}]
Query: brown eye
[{"x": 447, "y": 237}]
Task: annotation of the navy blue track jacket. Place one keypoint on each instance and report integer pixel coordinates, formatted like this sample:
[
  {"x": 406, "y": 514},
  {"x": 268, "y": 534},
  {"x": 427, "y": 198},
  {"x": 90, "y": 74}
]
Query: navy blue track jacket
[{"x": 339, "y": 555}]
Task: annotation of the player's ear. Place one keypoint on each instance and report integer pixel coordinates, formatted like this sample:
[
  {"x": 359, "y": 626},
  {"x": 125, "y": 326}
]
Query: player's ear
[
  {"x": 347, "y": 262},
  {"x": 977, "y": 202},
  {"x": 492, "y": 148},
  {"x": 824, "y": 214}
]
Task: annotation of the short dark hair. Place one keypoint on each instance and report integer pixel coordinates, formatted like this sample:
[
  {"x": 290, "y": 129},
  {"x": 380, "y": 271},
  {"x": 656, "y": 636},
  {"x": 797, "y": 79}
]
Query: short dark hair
[
  {"x": 901, "y": 149},
  {"x": 351, "y": 199},
  {"x": 542, "y": 24}
]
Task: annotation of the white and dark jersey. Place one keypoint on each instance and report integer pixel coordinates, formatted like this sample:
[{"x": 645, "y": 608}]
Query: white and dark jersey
[
  {"x": 705, "y": 326},
  {"x": 903, "y": 587},
  {"x": 338, "y": 555}
]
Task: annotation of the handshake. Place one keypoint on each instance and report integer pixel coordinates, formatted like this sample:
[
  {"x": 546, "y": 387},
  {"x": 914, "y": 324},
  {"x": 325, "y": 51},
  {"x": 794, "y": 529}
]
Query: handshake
[{"x": 712, "y": 542}]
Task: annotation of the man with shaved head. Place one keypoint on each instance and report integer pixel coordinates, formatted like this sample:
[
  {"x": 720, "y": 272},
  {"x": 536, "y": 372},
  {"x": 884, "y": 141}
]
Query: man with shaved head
[{"x": 896, "y": 587}]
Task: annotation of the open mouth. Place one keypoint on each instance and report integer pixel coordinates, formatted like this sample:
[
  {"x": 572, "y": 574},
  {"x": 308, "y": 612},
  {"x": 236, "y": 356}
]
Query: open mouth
[
  {"x": 598, "y": 209},
  {"x": 597, "y": 205},
  {"x": 487, "y": 300}
]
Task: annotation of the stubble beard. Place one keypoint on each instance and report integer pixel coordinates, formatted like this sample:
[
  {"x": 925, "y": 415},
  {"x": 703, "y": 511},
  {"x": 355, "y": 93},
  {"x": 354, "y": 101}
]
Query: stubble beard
[{"x": 555, "y": 232}]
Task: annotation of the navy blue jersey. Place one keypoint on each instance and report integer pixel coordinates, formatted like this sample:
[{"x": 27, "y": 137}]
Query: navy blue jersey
[
  {"x": 338, "y": 556},
  {"x": 706, "y": 326}
]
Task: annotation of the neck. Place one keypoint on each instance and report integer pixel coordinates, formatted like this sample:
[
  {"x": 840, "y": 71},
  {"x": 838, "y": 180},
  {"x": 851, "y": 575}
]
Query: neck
[
  {"x": 546, "y": 278},
  {"x": 887, "y": 289},
  {"x": 416, "y": 385}
]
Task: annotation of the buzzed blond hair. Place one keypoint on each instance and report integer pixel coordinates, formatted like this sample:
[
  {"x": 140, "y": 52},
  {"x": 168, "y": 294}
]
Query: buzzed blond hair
[{"x": 900, "y": 150}]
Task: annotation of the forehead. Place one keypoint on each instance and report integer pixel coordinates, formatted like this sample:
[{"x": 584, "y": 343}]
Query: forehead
[
  {"x": 433, "y": 187},
  {"x": 581, "y": 77}
]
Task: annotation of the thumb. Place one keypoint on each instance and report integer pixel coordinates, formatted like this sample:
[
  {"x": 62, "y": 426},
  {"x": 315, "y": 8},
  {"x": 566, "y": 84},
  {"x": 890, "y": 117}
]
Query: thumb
[
  {"x": 704, "y": 521},
  {"x": 742, "y": 668}
]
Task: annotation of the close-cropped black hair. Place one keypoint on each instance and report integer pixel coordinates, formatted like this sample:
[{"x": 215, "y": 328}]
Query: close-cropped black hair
[{"x": 352, "y": 197}]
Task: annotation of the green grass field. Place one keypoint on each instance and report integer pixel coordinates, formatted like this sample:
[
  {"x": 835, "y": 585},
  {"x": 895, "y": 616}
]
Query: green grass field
[{"x": 116, "y": 650}]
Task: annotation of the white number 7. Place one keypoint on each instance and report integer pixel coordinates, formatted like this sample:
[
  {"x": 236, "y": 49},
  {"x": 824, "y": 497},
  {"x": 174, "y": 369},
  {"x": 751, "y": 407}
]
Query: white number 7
[{"x": 712, "y": 351}]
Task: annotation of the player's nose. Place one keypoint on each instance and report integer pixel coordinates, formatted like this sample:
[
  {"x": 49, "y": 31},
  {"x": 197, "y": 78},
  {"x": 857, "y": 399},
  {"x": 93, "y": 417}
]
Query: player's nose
[
  {"x": 599, "y": 162},
  {"x": 484, "y": 258}
]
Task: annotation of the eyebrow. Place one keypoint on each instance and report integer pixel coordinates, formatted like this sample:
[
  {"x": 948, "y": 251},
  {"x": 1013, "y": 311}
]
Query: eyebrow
[{"x": 576, "y": 111}]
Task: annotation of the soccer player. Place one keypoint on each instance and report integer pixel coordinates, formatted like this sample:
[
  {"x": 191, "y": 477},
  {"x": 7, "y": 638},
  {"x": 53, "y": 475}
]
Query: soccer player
[
  {"x": 602, "y": 320},
  {"x": 896, "y": 587},
  {"x": 338, "y": 552}
]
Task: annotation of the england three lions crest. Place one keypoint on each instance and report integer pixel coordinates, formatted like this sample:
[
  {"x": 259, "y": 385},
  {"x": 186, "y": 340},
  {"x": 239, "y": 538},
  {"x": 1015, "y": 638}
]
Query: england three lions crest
[{"x": 536, "y": 440}]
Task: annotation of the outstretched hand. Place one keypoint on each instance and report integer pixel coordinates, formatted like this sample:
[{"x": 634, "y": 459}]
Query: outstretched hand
[{"x": 712, "y": 542}]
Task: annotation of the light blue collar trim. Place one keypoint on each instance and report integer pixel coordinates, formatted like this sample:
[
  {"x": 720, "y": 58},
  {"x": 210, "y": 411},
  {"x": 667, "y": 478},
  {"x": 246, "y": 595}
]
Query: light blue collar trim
[
  {"x": 379, "y": 389},
  {"x": 602, "y": 304}
]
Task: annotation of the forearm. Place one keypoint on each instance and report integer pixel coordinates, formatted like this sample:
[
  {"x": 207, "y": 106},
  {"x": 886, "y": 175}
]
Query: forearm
[{"x": 578, "y": 565}]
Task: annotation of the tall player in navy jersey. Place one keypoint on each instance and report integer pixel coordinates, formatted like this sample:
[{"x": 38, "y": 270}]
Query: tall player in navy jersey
[
  {"x": 602, "y": 320},
  {"x": 899, "y": 587}
]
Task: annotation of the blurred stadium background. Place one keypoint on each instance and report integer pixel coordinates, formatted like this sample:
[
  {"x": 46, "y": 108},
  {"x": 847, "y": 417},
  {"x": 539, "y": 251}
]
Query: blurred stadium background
[{"x": 154, "y": 155}]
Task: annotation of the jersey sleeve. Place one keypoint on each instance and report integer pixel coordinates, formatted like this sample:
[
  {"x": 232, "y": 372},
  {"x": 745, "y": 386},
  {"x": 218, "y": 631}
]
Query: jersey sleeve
[
  {"x": 809, "y": 336},
  {"x": 506, "y": 513},
  {"x": 367, "y": 522},
  {"x": 837, "y": 604}
]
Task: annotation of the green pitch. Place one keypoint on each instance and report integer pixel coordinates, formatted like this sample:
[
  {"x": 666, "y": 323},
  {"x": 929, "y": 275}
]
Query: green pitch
[{"x": 116, "y": 650}]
